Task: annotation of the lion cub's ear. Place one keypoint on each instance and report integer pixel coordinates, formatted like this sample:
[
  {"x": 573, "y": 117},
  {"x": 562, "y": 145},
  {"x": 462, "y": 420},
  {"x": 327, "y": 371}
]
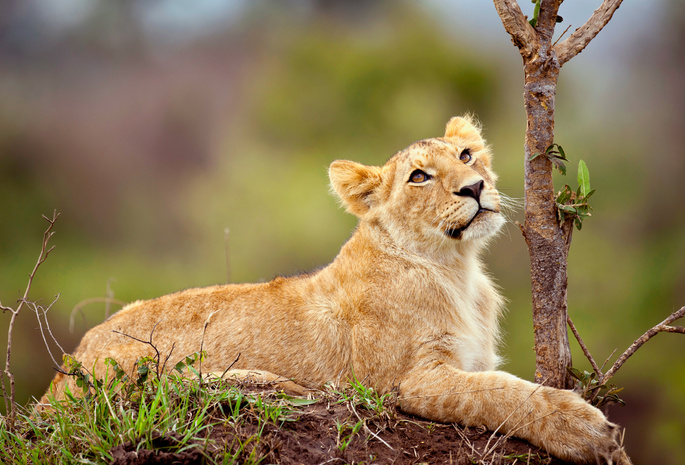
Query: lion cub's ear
[
  {"x": 465, "y": 127},
  {"x": 355, "y": 184}
]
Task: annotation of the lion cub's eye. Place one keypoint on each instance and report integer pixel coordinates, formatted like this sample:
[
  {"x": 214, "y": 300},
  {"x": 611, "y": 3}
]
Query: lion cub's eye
[
  {"x": 465, "y": 155},
  {"x": 418, "y": 176}
]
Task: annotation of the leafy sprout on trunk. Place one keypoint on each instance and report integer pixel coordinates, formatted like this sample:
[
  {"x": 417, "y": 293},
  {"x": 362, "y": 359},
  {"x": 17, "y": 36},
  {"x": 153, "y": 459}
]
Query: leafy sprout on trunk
[{"x": 573, "y": 205}]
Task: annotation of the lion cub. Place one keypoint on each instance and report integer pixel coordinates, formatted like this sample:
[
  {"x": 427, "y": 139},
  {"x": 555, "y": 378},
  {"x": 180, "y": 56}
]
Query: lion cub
[{"x": 406, "y": 304}]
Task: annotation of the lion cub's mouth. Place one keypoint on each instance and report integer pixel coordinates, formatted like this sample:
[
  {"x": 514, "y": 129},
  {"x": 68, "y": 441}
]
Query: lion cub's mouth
[{"x": 455, "y": 233}]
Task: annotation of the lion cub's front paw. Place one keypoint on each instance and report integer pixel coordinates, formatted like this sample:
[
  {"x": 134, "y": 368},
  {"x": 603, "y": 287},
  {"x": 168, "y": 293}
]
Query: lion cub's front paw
[{"x": 579, "y": 432}]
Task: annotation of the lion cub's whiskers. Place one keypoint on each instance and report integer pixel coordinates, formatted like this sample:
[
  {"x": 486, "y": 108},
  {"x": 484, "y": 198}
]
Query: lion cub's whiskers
[{"x": 510, "y": 205}]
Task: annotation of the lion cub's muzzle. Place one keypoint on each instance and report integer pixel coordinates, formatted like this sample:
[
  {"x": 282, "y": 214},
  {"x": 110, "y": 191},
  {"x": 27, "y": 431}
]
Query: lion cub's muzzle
[{"x": 474, "y": 191}]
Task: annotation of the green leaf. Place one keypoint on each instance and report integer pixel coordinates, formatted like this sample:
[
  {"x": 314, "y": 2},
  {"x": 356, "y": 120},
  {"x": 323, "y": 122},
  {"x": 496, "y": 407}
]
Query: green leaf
[
  {"x": 575, "y": 372},
  {"x": 564, "y": 195},
  {"x": 180, "y": 366},
  {"x": 559, "y": 152},
  {"x": 536, "y": 12},
  {"x": 560, "y": 166},
  {"x": 583, "y": 178},
  {"x": 299, "y": 402}
]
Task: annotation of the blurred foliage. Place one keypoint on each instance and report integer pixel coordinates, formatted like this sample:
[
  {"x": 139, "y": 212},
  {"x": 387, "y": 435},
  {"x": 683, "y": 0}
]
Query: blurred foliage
[
  {"x": 361, "y": 85},
  {"x": 151, "y": 157}
]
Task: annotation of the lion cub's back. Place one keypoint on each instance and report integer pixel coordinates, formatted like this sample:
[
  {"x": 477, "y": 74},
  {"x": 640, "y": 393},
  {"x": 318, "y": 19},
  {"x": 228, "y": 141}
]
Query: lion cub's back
[
  {"x": 273, "y": 326},
  {"x": 176, "y": 320}
]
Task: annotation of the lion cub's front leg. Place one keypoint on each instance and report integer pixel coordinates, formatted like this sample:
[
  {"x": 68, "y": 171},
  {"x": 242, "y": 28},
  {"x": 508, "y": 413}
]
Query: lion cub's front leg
[{"x": 559, "y": 421}]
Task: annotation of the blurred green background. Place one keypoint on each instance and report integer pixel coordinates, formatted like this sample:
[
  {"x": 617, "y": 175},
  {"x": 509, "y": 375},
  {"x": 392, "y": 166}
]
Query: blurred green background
[{"x": 153, "y": 128}]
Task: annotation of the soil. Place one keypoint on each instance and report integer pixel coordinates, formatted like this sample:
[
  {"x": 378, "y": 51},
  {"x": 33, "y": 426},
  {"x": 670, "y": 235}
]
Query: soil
[{"x": 312, "y": 436}]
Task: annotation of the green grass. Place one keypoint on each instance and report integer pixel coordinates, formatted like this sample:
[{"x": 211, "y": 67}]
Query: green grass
[
  {"x": 215, "y": 421},
  {"x": 365, "y": 397},
  {"x": 347, "y": 432},
  {"x": 174, "y": 413}
]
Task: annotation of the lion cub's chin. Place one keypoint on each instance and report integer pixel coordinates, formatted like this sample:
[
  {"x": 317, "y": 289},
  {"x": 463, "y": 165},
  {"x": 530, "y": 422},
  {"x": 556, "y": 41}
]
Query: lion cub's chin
[{"x": 486, "y": 223}]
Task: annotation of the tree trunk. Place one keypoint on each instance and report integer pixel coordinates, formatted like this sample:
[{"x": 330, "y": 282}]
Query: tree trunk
[
  {"x": 547, "y": 242},
  {"x": 547, "y": 246}
]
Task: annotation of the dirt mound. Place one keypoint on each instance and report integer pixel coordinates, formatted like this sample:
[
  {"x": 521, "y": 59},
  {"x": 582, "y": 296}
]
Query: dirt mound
[
  {"x": 164, "y": 452},
  {"x": 330, "y": 431}
]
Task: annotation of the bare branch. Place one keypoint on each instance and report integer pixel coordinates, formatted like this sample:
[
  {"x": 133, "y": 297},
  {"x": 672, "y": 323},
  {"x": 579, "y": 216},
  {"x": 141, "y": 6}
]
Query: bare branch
[
  {"x": 587, "y": 353},
  {"x": 561, "y": 36},
  {"x": 166, "y": 359},
  {"x": 584, "y": 34},
  {"x": 38, "y": 310},
  {"x": 673, "y": 329},
  {"x": 158, "y": 356},
  {"x": 230, "y": 366},
  {"x": 6, "y": 309},
  {"x": 608, "y": 358},
  {"x": 522, "y": 34},
  {"x": 661, "y": 327},
  {"x": 10, "y": 403},
  {"x": 44, "y": 251}
]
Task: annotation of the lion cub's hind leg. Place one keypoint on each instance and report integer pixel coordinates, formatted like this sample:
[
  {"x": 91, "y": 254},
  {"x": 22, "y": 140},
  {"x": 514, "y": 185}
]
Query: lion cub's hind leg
[{"x": 260, "y": 378}]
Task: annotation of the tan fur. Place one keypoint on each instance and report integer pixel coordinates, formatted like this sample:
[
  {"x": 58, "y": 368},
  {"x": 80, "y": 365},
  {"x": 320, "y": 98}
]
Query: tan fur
[{"x": 406, "y": 304}]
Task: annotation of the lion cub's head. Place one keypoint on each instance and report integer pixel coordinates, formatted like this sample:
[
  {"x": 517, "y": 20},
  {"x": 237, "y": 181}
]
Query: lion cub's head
[{"x": 433, "y": 194}]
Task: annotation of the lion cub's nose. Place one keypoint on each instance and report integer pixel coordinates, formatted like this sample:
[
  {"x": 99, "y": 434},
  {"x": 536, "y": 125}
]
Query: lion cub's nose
[{"x": 473, "y": 190}]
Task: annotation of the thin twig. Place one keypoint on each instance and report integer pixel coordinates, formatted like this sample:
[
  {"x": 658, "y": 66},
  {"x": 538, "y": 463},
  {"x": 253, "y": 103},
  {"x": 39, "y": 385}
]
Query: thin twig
[
  {"x": 465, "y": 440},
  {"x": 230, "y": 366},
  {"x": 587, "y": 353},
  {"x": 531, "y": 422},
  {"x": 354, "y": 410},
  {"x": 38, "y": 310},
  {"x": 661, "y": 327},
  {"x": 157, "y": 356},
  {"x": 562, "y": 35},
  {"x": 202, "y": 342},
  {"x": 10, "y": 405},
  {"x": 166, "y": 359},
  {"x": 608, "y": 358}
]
